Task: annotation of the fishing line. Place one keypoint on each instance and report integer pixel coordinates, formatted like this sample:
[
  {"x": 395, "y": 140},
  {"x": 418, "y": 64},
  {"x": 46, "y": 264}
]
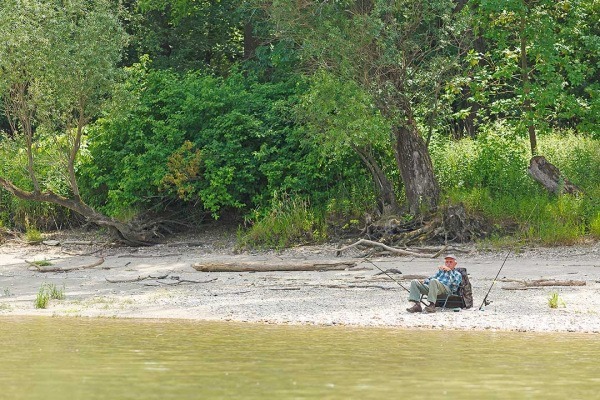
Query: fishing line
[{"x": 389, "y": 276}]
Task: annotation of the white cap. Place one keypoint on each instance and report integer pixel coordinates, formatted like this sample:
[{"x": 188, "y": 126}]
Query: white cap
[{"x": 452, "y": 256}]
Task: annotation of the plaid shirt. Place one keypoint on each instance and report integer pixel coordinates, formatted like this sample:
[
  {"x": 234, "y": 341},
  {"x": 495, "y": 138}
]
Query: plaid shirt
[{"x": 452, "y": 279}]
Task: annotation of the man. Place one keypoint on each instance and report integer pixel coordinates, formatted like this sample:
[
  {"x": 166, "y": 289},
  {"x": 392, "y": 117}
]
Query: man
[{"x": 446, "y": 281}]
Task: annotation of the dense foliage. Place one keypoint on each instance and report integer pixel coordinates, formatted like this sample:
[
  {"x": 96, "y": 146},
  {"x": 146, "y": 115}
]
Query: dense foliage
[{"x": 302, "y": 119}]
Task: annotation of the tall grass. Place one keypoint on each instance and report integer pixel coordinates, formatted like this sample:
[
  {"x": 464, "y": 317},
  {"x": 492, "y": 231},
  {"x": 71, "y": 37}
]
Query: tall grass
[
  {"x": 289, "y": 221},
  {"x": 489, "y": 174}
]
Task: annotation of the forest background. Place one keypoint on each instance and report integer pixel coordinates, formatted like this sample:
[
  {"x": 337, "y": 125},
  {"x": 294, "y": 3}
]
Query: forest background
[{"x": 299, "y": 121}]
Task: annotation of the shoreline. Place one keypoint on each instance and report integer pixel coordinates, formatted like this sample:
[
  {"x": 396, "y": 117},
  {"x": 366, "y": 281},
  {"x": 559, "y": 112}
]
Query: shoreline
[{"x": 159, "y": 282}]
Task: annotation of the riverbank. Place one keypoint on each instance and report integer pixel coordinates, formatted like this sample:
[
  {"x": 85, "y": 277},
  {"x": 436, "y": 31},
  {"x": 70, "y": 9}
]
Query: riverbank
[{"x": 160, "y": 282}]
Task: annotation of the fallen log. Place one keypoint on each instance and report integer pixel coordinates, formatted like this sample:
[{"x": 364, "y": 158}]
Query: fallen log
[
  {"x": 266, "y": 266},
  {"x": 552, "y": 282},
  {"x": 40, "y": 268},
  {"x": 524, "y": 285}
]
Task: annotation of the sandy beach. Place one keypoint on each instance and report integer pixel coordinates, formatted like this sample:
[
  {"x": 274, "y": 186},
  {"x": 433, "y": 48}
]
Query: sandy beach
[{"x": 160, "y": 282}]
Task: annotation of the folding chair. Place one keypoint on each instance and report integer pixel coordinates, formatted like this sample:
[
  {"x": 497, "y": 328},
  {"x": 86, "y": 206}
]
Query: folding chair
[{"x": 462, "y": 299}]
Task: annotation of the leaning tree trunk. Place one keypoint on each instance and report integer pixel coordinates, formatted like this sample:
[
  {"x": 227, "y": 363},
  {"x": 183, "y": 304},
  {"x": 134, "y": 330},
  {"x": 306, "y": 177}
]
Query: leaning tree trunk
[
  {"x": 416, "y": 168},
  {"x": 126, "y": 233},
  {"x": 549, "y": 176},
  {"x": 386, "y": 198}
]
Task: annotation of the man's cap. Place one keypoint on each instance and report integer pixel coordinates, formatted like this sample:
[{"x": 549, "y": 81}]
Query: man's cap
[{"x": 452, "y": 256}]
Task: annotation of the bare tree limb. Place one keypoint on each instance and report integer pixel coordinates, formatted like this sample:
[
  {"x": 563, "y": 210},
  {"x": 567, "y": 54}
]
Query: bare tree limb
[{"x": 371, "y": 243}]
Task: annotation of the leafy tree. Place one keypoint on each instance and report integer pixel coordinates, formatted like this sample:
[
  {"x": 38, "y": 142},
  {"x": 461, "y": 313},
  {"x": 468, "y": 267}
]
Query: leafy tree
[
  {"x": 540, "y": 68},
  {"x": 387, "y": 48},
  {"x": 190, "y": 34},
  {"x": 57, "y": 68},
  {"x": 342, "y": 117}
]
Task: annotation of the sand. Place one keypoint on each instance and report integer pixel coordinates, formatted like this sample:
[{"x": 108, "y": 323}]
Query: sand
[{"x": 160, "y": 282}]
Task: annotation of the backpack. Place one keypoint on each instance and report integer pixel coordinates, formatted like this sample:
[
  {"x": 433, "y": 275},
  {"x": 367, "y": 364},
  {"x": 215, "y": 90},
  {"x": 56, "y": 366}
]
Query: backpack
[{"x": 465, "y": 291}]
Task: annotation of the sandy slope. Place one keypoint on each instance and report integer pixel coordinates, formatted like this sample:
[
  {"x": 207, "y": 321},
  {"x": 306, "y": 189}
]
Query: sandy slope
[{"x": 356, "y": 297}]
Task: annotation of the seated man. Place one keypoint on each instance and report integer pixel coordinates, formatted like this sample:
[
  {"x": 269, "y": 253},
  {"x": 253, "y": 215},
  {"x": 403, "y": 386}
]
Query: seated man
[{"x": 446, "y": 281}]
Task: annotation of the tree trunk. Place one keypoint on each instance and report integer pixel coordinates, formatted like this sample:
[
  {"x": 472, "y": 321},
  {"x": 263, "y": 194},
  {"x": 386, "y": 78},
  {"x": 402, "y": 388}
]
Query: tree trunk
[
  {"x": 250, "y": 41},
  {"x": 386, "y": 198},
  {"x": 126, "y": 233},
  {"x": 526, "y": 88},
  {"x": 550, "y": 177},
  {"x": 416, "y": 169}
]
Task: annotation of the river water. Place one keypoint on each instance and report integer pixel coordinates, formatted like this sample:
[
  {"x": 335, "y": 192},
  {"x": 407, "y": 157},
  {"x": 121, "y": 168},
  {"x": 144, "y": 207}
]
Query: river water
[{"x": 77, "y": 358}]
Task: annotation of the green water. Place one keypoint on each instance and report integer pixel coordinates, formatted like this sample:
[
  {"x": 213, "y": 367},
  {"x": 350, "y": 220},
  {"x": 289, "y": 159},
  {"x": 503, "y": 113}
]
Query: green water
[{"x": 62, "y": 358}]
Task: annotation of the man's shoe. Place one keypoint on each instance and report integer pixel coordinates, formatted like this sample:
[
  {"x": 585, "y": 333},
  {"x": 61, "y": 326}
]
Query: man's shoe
[
  {"x": 430, "y": 308},
  {"x": 415, "y": 308}
]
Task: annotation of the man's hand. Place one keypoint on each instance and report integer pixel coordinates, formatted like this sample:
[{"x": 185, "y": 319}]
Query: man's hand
[{"x": 444, "y": 268}]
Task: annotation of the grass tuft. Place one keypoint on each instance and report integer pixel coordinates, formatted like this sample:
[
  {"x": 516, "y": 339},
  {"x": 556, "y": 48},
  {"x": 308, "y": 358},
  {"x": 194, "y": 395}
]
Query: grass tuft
[
  {"x": 33, "y": 236},
  {"x": 47, "y": 292},
  {"x": 555, "y": 301}
]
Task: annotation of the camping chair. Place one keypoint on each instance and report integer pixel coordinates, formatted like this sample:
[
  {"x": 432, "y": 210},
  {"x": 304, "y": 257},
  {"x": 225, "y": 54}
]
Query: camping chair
[{"x": 462, "y": 299}]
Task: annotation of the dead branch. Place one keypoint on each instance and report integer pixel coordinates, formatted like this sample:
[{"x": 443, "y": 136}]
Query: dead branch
[
  {"x": 136, "y": 279},
  {"x": 177, "y": 280},
  {"x": 371, "y": 243},
  {"x": 359, "y": 287},
  {"x": 148, "y": 255}
]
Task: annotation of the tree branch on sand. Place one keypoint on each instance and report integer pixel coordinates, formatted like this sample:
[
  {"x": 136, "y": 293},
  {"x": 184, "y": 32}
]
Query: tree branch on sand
[{"x": 371, "y": 243}]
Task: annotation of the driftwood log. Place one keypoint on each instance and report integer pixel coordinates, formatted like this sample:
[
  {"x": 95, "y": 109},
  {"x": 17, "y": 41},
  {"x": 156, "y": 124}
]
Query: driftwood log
[
  {"x": 266, "y": 266},
  {"x": 40, "y": 268},
  {"x": 549, "y": 176},
  {"x": 524, "y": 285}
]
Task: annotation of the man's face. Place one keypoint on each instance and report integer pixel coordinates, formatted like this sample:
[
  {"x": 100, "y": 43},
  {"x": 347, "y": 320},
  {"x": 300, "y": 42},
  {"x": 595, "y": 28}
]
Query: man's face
[{"x": 450, "y": 262}]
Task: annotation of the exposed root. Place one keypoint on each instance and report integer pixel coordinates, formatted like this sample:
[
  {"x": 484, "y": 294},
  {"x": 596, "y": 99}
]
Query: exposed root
[{"x": 450, "y": 225}]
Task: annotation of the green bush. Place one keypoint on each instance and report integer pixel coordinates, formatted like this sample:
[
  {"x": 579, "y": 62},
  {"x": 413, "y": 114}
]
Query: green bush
[{"x": 220, "y": 143}]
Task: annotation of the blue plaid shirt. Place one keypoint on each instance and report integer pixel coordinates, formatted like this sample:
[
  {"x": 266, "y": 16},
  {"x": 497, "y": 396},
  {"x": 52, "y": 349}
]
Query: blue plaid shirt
[{"x": 452, "y": 279}]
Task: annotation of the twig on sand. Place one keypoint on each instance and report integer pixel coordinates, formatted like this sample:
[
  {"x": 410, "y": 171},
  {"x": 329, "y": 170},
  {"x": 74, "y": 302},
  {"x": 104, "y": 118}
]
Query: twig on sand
[
  {"x": 40, "y": 268},
  {"x": 174, "y": 280},
  {"x": 135, "y": 279},
  {"x": 359, "y": 287}
]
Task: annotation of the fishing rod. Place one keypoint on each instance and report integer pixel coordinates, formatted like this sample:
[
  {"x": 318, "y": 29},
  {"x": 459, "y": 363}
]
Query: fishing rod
[
  {"x": 502, "y": 266},
  {"x": 494, "y": 281},
  {"x": 389, "y": 276}
]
